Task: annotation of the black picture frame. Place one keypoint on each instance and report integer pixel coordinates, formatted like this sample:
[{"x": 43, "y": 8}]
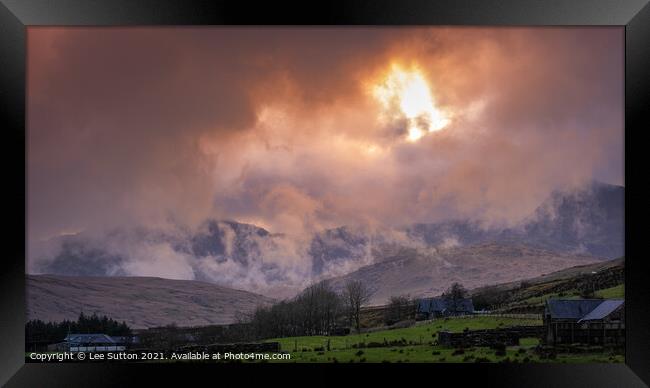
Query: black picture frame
[{"x": 17, "y": 15}]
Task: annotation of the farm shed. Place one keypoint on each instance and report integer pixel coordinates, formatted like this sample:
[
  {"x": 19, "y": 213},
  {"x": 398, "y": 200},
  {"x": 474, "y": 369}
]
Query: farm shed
[
  {"x": 87, "y": 343},
  {"x": 585, "y": 321},
  {"x": 429, "y": 308}
]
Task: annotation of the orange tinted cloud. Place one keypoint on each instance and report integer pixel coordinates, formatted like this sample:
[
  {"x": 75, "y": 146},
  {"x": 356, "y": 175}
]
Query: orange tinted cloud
[{"x": 278, "y": 126}]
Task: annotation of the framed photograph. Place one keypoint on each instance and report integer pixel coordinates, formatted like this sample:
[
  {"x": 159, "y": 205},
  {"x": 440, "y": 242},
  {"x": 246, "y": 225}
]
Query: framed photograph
[{"x": 234, "y": 187}]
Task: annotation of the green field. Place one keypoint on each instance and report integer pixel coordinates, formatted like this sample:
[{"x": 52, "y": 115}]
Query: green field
[
  {"x": 539, "y": 300},
  {"x": 612, "y": 292},
  {"x": 416, "y": 345},
  {"x": 607, "y": 293},
  {"x": 420, "y": 334}
]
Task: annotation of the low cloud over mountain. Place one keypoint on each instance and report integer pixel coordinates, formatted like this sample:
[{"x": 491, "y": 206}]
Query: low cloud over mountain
[{"x": 571, "y": 225}]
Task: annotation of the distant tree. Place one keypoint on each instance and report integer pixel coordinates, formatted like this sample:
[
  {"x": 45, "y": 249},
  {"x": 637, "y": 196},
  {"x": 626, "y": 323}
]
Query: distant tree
[
  {"x": 39, "y": 332},
  {"x": 356, "y": 294},
  {"x": 454, "y": 296},
  {"x": 317, "y": 306},
  {"x": 313, "y": 312},
  {"x": 587, "y": 291},
  {"x": 398, "y": 309}
]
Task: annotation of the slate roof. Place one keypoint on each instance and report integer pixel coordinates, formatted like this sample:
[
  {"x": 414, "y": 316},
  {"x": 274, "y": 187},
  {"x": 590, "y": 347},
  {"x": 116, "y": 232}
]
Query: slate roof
[
  {"x": 603, "y": 309},
  {"x": 580, "y": 309},
  {"x": 430, "y": 305},
  {"x": 126, "y": 339},
  {"x": 89, "y": 339}
]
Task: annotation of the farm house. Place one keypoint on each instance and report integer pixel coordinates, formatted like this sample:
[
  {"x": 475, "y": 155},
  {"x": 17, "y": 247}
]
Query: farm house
[
  {"x": 88, "y": 343},
  {"x": 429, "y": 308},
  {"x": 585, "y": 321}
]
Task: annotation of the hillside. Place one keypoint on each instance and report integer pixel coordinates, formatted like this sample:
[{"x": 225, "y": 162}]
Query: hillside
[
  {"x": 140, "y": 301},
  {"x": 604, "y": 280},
  {"x": 429, "y": 272}
]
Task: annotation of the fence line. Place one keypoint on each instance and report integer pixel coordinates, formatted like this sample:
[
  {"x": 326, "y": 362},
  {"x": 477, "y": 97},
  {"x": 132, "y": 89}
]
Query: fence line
[
  {"x": 471, "y": 316},
  {"x": 504, "y": 315}
]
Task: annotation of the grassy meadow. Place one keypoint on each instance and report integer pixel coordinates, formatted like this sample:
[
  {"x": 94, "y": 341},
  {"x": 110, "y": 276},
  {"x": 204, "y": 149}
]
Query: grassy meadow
[
  {"x": 616, "y": 292},
  {"x": 415, "y": 344}
]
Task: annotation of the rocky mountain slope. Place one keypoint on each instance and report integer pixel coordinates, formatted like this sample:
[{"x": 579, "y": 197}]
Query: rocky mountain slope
[
  {"x": 586, "y": 222},
  {"x": 429, "y": 273}
]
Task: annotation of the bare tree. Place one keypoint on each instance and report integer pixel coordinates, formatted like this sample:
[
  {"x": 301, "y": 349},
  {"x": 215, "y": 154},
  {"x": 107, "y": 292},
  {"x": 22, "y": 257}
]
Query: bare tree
[
  {"x": 312, "y": 312},
  {"x": 399, "y": 308},
  {"x": 356, "y": 294}
]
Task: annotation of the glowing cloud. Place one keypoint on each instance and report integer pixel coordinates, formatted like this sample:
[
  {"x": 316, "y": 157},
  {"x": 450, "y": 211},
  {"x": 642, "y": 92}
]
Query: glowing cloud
[{"x": 406, "y": 94}]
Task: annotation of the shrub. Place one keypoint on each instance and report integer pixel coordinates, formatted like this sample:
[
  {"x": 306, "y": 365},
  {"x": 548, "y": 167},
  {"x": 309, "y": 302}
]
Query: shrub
[
  {"x": 458, "y": 351},
  {"x": 499, "y": 346},
  {"x": 500, "y": 349},
  {"x": 435, "y": 353},
  {"x": 401, "y": 342},
  {"x": 319, "y": 349},
  {"x": 481, "y": 359},
  {"x": 375, "y": 345},
  {"x": 359, "y": 353},
  {"x": 522, "y": 350},
  {"x": 441, "y": 359}
]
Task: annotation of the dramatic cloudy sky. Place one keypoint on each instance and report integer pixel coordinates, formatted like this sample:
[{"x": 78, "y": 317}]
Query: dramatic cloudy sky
[{"x": 298, "y": 129}]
